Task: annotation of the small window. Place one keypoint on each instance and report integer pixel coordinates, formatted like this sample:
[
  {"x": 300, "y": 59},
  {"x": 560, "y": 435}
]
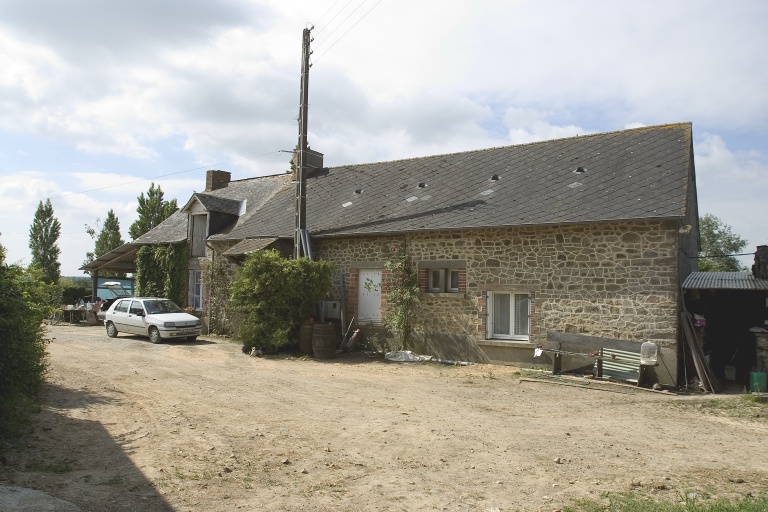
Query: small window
[
  {"x": 436, "y": 280},
  {"x": 443, "y": 280},
  {"x": 452, "y": 284}
]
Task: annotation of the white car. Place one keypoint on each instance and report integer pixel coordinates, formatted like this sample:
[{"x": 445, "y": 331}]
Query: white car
[{"x": 157, "y": 318}]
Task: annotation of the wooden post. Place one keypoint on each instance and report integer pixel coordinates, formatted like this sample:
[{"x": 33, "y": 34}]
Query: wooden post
[
  {"x": 301, "y": 177},
  {"x": 557, "y": 360}
]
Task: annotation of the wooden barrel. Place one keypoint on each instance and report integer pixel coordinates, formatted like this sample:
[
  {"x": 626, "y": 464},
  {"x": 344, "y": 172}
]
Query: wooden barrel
[
  {"x": 324, "y": 341},
  {"x": 305, "y": 337}
]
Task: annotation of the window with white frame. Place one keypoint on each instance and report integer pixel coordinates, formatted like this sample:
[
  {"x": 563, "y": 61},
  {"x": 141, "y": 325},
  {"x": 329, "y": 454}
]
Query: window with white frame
[
  {"x": 508, "y": 315},
  {"x": 443, "y": 280},
  {"x": 195, "y": 289}
]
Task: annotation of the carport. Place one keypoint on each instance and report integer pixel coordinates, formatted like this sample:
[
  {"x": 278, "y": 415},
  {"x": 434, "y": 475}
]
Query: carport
[{"x": 731, "y": 303}]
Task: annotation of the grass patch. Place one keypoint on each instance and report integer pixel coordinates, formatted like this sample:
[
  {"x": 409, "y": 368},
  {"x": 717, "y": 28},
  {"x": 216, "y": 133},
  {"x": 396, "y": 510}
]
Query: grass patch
[
  {"x": 115, "y": 480},
  {"x": 742, "y": 406},
  {"x": 634, "y": 503},
  {"x": 57, "y": 467}
]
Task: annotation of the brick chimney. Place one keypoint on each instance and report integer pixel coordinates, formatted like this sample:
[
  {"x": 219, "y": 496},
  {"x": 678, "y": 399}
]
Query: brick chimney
[{"x": 214, "y": 180}]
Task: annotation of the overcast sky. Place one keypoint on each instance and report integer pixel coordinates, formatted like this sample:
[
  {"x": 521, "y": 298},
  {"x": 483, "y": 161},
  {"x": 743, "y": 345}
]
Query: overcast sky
[{"x": 100, "y": 98}]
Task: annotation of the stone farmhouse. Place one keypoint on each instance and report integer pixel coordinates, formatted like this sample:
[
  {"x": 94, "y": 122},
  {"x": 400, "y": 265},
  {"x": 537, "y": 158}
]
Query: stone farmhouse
[{"x": 589, "y": 235}]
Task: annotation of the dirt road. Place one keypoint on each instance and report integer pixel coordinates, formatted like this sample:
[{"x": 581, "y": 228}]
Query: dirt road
[{"x": 133, "y": 426}]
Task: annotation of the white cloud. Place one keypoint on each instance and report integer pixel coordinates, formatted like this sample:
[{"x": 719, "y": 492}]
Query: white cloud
[
  {"x": 141, "y": 89},
  {"x": 733, "y": 186},
  {"x": 529, "y": 125}
]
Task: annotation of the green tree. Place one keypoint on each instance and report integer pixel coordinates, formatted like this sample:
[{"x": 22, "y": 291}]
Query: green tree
[
  {"x": 43, "y": 242},
  {"x": 718, "y": 243},
  {"x": 23, "y": 304},
  {"x": 107, "y": 238},
  {"x": 152, "y": 210}
]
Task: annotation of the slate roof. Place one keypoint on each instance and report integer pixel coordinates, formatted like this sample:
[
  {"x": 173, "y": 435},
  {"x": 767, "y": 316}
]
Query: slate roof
[
  {"x": 254, "y": 191},
  {"x": 248, "y": 246},
  {"x": 214, "y": 203},
  {"x": 172, "y": 229},
  {"x": 637, "y": 174},
  {"x": 626, "y": 175}
]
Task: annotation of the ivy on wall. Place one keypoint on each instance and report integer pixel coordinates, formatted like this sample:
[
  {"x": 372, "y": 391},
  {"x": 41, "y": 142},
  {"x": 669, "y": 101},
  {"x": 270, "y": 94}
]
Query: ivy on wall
[
  {"x": 161, "y": 271},
  {"x": 218, "y": 278}
]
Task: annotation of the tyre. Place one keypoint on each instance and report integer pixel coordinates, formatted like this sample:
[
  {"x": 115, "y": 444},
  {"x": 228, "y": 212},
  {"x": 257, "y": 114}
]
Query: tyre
[
  {"x": 154, "y": 335},
  {"x": 191, "y": 338},
  {"x": 111, "y": 330}
]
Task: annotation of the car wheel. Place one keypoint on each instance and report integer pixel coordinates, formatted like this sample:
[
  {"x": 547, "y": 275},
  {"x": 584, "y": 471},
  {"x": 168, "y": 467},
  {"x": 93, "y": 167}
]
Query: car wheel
[
  {"x": 191, "y": 338},
  {"x": 111, "y": 330},
  {"x": 154, "y": 335}
]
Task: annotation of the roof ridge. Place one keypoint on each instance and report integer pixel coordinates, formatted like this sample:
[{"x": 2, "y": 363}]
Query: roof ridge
[
  {"x": 261, "y": 177},
  {"x": 535, "y": 143}
]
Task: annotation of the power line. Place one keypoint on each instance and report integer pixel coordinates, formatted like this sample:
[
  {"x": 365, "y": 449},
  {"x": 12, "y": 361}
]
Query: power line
[
  {"x": 720, "y": 255},
  {"x": 342, "y": 21},
  {"x": 326, "y": 12},
  {"x": 350, "y": 28},
  {"x": 207, "y": 166}
]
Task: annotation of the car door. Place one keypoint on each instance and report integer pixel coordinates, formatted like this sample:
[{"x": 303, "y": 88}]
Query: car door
[
  {"x": 135, "y": 322},
  {"x": 118, "y": 315}
]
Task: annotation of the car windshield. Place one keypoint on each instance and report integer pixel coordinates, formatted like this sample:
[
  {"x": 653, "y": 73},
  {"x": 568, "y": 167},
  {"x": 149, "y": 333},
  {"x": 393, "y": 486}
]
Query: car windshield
[{"x": 160, "y": 306}]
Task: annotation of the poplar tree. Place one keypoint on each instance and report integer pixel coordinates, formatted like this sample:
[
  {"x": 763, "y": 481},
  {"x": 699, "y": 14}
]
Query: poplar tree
[
  {"x": 152, "y": 210},
  {"x": 43, "y": 242},
  {"x": 107, "y": 238}
]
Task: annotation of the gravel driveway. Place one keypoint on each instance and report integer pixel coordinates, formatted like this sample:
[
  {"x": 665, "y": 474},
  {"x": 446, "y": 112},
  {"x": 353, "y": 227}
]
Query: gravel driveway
[{"x": 129, "y": 425}]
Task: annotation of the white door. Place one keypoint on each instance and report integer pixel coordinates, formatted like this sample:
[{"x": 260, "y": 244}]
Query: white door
[
  {"x": 135, "y": 320},
  {"x": 369, "y": 296}
]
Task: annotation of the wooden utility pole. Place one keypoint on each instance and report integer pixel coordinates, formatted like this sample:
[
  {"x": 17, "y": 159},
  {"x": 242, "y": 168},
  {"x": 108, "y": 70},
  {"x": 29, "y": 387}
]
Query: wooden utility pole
[{"x": 301, "y": 164}]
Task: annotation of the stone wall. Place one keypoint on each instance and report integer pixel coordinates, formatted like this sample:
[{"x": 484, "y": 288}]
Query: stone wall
[{"x": 616, "y": 280}]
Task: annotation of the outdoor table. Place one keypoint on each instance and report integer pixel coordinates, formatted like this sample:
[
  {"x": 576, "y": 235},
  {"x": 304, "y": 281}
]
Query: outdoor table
[{"x": 72, "y": 310}]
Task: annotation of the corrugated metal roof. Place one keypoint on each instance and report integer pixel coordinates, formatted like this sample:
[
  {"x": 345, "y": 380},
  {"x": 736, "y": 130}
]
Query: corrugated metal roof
[{"x": 724, "y": 281}]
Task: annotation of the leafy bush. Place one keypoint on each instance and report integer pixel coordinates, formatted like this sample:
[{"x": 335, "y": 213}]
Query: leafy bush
[
  {"x": 274, "y": 295},
  {"x": 24, "y": 302}
]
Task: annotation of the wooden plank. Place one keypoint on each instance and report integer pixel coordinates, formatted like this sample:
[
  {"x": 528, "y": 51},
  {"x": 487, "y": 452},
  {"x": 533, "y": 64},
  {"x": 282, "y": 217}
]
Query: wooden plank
[
  {"x": 698, "y": 352},
  {"x": 574, "y": 385},
  {"x": 708, "y": 381},
  {"x": 584, "y": 343}
]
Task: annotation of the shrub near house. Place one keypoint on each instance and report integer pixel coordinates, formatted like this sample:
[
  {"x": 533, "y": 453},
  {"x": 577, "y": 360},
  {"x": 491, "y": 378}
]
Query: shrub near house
[{"x": 275, "y": 294}]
